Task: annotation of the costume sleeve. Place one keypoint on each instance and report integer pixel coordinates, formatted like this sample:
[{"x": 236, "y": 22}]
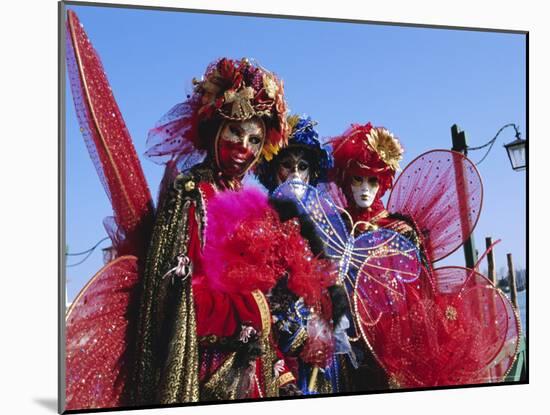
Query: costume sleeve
[
  {"x": 284, "y": 373},
  {"x": 221, "y": 314}
]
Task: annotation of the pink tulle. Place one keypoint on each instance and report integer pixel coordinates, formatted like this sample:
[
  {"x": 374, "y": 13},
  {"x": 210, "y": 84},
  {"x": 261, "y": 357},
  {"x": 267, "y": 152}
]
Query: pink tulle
[
  {"x": 441, "y": 191},
  {"x": 223, "y": 219},
  {"x": 169, "y": 139}
]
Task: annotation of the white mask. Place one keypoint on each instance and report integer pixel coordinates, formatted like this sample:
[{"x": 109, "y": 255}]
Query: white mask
[{"x": 364, "y": 190}]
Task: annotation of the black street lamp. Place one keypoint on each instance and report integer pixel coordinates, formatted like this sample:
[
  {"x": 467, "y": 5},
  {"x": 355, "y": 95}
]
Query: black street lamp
[{"x": 516, "y": 153}]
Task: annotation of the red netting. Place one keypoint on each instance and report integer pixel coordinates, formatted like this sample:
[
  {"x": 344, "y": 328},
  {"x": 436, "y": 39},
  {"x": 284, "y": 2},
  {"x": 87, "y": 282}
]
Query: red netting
[
  {"x": 171, "y": 139},
  {"x": 105, "y": 133},
  {"x": 491, "y": 310},
  {"x": 97, "y": 337},
  {"x": 441, "y": 192},
  {"x": 464, "y": 331}
]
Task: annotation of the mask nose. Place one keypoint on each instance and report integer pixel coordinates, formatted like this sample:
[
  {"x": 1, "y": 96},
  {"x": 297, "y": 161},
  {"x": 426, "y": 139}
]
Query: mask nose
[{"x": 243, "y": 149}]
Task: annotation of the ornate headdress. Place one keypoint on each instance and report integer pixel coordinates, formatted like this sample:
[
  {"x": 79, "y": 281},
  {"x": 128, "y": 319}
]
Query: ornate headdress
[
  {"x": 304, "y": 136},
  {"x": 230, "y": 89},
  {"x": 364, "y": 150}
]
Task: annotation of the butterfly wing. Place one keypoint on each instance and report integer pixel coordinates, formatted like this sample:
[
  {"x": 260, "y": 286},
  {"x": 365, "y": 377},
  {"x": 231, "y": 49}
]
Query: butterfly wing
[
  {"x": 441, "y": 191},
  {"x": 382, "y": 263},
  {"x": 383, "y": 280},
  {"x": 322, "y": 212}
]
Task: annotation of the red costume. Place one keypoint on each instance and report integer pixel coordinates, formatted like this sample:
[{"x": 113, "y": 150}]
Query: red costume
[
  {"x": 150, "y": 328},
  {"x": 450, "y": 326}
]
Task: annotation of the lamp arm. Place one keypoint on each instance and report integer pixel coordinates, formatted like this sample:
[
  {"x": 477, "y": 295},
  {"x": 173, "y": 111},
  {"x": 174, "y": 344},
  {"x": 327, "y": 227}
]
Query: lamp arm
[{"x": 492, "y": 141}]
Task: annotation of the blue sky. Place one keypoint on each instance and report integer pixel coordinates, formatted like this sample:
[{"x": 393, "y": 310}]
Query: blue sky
[{"x": 415, "y": 81}]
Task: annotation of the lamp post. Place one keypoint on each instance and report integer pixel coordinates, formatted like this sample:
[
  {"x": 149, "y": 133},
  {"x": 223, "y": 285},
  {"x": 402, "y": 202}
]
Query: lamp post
[
  {"x": 516, "y": 153},
  {"x": 460, "y": 145}
]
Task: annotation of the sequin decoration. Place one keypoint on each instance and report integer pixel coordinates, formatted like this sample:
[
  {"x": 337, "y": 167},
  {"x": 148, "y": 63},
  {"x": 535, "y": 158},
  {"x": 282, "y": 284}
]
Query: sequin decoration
[
  {"x": 106, "y": 136},
  {"x": 97, "y": 330},
  {"x": 376, "y": 262}
]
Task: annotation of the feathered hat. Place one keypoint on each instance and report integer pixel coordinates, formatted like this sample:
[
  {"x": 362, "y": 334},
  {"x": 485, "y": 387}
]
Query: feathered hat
[
  {"x": 229, "y": 90},
  {"x": 364, "y": 150},
  {"x": 303, "y": 136}
]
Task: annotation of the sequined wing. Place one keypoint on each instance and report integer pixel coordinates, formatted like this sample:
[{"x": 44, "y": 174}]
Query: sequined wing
[
  {"x": 442, "y": 193},
  {"x": 107, "y": 138},
  {"x": 374, "y": 268},
  {"x": 99, "y": 335},
  {"x": 378, "y": 267},
  {"x": 322, "y": 211}
]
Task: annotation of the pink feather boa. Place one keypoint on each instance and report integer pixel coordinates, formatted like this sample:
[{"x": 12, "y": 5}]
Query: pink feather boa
[{"x": 248, "y": 248}]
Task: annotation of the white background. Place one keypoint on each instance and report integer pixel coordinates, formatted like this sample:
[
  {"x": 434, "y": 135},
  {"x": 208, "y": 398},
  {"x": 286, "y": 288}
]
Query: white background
[{"x": 28, "y": 227}]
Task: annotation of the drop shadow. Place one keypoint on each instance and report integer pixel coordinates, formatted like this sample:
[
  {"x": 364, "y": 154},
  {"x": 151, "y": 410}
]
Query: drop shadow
[{"x": 48, "y": 403}]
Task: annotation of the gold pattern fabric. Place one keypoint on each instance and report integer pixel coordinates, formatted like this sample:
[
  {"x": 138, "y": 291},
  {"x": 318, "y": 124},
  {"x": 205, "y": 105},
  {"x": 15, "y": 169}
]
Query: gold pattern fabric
[
  {"x": 224, "y": 383},
  {"x": 320, "y": 384},
  {"x": 167, "y": 348},
  {"x": 285, "y": 378},
  {"x": 269, "y": 356},
  {"x": 228, "y": 380},
  {"x": 268, "y": 361},
  {"x": 265, "y": 314},
  {"x": 179, "y": 379},
  {"x": 298, "y": 341}
]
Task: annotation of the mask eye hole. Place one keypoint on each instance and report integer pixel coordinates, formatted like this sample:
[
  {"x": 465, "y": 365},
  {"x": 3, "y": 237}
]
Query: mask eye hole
[
  {"x": 286, "y": 164},
  {"x": 254, "y": 140},
  {"x": 357, "y": 180},
  {"x": 303, "y": 166},
  {"x": 373, "y": 181},
  {"x": 235, "y": 130}
]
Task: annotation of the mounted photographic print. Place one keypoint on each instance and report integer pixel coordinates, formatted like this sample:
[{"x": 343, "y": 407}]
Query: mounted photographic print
[{"x": 275, "y": 207}]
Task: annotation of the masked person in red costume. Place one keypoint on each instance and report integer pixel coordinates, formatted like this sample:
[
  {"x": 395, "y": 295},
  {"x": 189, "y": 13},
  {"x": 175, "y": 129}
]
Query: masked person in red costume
[
  {"x": 427, "y": 327},
  {"x": 189, "y": 333},
  {"x": 160, "y": 324},
  {"x": 365, "y": 162}
]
